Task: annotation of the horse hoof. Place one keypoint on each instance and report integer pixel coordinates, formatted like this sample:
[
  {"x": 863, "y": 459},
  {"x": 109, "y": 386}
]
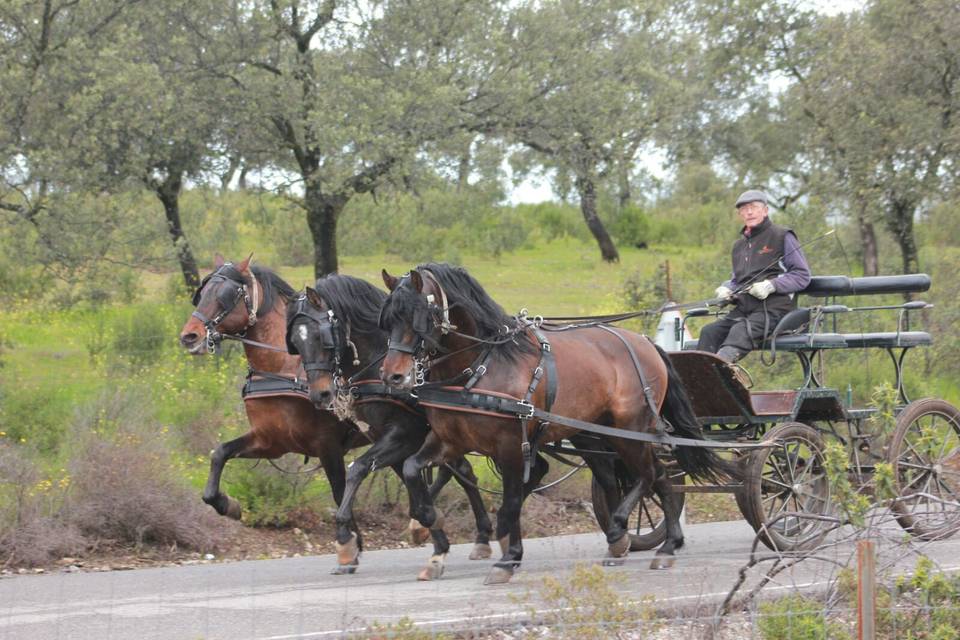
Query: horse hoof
[
  {"x": 662, "y": 561},
  {"x": 481, "y": 551},
  {"x": 433, "y": 570},
  {"x": 620, "y": 548},
  {"x": 344, "y": 569},
  {"x": 233, "y": 510},
  {"x": 418, "y": 533},
  {"x": 504, "y": 543},
  {"x": 498, "y": 575},
  {"x": 348, "y": 553}
]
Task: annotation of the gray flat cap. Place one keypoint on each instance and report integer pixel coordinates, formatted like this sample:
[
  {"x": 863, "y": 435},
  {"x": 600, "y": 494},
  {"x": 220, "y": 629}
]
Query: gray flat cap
[{"x": 752, "y": 195}]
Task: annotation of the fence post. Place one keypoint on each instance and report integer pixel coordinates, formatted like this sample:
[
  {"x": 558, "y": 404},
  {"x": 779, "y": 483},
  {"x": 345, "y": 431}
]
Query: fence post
[{"x": 866, "y": 590}]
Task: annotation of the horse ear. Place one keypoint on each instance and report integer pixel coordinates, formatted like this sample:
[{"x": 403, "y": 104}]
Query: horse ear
[
  {"x": 314, "y": 298},
  {"x": 245, "y": 265},
  {"x": 218, "y": 261},
  {"x": 417, "y": 280},
  {"x": 389, "y": 280}
]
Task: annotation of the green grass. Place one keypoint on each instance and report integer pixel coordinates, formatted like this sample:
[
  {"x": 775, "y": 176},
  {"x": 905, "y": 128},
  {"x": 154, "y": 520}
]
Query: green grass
[{"x": 55, "y": 362}]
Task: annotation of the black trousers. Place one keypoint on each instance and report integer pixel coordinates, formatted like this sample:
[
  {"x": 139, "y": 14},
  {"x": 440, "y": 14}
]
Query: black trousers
[{"x": 738, "y": 331}]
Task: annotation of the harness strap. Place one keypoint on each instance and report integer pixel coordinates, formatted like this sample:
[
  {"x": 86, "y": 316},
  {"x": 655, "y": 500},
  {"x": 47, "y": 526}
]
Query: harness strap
[
  {"x": 374, "y": 390},
  {"x": 662, "y": 424},
  {"x": 265, "y": 383},
  {"x": 507, "y": 407}
]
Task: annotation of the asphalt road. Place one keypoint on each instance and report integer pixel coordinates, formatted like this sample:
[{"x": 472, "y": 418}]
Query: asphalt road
[{"x": 298, "y": 598}]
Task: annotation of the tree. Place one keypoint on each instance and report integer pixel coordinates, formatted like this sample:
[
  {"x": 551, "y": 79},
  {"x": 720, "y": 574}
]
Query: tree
[
  {"x": 343, "y": 97},
  {"x": 604, "y": 76},
  {"x": 880, "y": 90}
]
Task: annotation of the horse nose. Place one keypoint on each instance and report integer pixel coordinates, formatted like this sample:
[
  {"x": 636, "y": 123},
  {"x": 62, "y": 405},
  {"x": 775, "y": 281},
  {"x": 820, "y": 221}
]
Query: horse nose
[
  {"x": 324, "y": 398},
  {"x": 189, "y": 339},
  {"x": 395, "y": 379}
]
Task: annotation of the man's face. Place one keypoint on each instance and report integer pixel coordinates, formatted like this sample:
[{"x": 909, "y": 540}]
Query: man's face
[{"x": 752, "y": 213}]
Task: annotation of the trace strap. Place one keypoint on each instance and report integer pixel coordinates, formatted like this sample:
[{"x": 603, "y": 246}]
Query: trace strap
[{"x": 488, "y": 403}]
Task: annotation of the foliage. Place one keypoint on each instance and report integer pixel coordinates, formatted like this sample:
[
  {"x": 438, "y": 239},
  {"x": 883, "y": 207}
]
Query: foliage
[
  {"x": 798, "y": 618},
  {"x": 586, "y": 604},
  {"x": 269, "y": 496}
]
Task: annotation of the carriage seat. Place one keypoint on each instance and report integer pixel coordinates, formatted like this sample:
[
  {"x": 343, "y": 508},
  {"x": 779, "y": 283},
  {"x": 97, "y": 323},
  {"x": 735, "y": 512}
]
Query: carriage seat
[
  {"x": 796, "y": 342},
  {"x": 889, "y": 340}
]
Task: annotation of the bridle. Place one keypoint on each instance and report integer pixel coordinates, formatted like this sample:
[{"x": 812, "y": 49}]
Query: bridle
[
  {"x": 234, "y": 290},
  {"x": 437, "y": 315},
  {"x": 334, "y": 337}
]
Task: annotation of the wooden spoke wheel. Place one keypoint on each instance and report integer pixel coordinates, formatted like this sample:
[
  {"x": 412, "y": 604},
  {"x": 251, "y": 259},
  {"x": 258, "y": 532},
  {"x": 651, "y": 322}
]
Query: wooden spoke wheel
[
  {"x": 646, "y": 527},
  {"x": 924, "y": 452},
  {"x": 788, "y": 478}
]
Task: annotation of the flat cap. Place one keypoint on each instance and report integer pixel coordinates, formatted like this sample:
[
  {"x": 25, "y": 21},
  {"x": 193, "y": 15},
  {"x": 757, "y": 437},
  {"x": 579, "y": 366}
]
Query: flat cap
[{"x": 753, "y": 195}]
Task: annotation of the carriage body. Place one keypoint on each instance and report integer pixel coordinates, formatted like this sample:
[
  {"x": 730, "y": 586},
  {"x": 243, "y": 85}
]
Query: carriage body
[{"x": 785, "y": 494}]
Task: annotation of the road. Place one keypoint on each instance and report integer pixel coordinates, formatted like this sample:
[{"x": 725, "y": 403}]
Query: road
[{"x": 298, "y": 598}]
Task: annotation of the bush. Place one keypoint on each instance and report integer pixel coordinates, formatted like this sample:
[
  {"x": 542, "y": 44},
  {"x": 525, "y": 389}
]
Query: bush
[
  {"x": 798, "y": 618},
  {"x": 125, "y": 487},
  {"x": 140, "y": 336},
  {"x": 631, "y": 227},
  {"x": 270, "y": 497},
  {"x": 31, "y": 532}
]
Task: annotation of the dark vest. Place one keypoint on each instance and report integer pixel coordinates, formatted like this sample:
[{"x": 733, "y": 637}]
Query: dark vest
[{"x": 757, "y": 257}]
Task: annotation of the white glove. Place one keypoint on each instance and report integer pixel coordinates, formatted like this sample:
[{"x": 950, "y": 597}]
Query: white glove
[
  {"x": 760, "y": 290},
  {"x": 723, "y": 293}
]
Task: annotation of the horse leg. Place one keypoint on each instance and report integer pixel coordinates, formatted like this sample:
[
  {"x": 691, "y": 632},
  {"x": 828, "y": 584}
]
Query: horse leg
[
  {"x": 348, "y": 551},
  {"x": 617, "y": 539},
  {"x": 508, "y": 524},
  {"x": 468, "y": 481},
  {"x": 224, "y": 504},
  {"x": 421, "y": 504},
  {"x": 665, "y": 558}
]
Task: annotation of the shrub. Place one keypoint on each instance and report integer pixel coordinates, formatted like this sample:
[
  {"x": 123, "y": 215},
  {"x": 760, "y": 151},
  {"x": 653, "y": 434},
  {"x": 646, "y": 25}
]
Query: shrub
[
  {"x": 270, "y": 496},
  {"x": 125, "y": 486},
  {"x": 31, "y": 532},
  {"x": 140, "y": 336},
  {"x": 798, "y": 618},
  {"x": 631, "y": 227}
]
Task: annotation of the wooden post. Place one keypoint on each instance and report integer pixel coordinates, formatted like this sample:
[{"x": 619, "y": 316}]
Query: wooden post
[
  {"x": 666, "y": 267},
  {"x": 866, "y": 590}
]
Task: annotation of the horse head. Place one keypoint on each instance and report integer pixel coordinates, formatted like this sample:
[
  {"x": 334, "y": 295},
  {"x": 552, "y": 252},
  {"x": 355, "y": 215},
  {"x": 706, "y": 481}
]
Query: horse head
[
  {"x": 218, "y": 309},
  {"x": 319, "y": 337},
  {"x": 415, "y": 324}
]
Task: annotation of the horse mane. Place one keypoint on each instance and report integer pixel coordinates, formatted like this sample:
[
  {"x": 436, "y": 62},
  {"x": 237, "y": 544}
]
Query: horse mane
[
  {"x": 354, "y": 300},
  {"x": 271, "y": 286},
  {"x": 465, "y": 293}
]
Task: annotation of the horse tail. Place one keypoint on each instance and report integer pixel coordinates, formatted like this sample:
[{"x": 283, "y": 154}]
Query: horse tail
[{"x": 700, "y": 463}]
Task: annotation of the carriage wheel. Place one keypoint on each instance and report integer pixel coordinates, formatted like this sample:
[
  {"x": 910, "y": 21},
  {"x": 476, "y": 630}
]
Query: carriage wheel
[
  {"x": 925, "y": 455},
  {"x": 646, "y": 527},
  {"x": 787, "y": 478}
]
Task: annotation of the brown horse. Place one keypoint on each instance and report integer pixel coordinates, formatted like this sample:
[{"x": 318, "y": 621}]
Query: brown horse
[
  {"x": 334, "y": 330},
  {"x": 442, "y": 322},
  {"x": 238, "y": 300}
]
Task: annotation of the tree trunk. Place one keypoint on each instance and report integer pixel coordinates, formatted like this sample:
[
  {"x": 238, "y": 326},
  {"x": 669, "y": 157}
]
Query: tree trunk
[
  {"x": 242, "y": 180},
  {"x": 463, "y": 170},
  {"x": 168, "y": 192},
  {"x": 868, "y": 240},
  {"x": 322, "y": 214},
  {"x": 901, "y": 224},
  {"x": 588, "y": 206},
  {"x": 227, "y": 175},
  {"x": 623, "y": 186}
]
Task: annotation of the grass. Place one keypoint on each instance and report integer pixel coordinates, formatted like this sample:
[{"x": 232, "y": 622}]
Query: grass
[{"x": 55, "y": 362}]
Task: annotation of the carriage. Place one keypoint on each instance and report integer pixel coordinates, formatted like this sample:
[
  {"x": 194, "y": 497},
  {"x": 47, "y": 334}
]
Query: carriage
[
  {"x": 785, "y": 494},
  {"x": 459, "y": 375}
]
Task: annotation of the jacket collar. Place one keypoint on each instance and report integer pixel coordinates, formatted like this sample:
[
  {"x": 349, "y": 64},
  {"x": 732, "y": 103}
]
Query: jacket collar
[{"x": 760, "y": 228}]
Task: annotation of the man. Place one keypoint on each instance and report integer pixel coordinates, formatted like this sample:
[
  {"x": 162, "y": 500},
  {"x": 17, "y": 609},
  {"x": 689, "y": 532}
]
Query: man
[{"x": 768, "y": 269}]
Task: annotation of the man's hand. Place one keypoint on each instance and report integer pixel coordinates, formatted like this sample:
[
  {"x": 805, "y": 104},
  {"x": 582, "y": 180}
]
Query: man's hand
[
  {"x": 760, "y": 290},
  {"x": 724, "y": 293}
]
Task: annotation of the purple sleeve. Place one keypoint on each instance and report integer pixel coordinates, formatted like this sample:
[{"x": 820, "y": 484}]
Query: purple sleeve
[{"x": 796, "y": 272}]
